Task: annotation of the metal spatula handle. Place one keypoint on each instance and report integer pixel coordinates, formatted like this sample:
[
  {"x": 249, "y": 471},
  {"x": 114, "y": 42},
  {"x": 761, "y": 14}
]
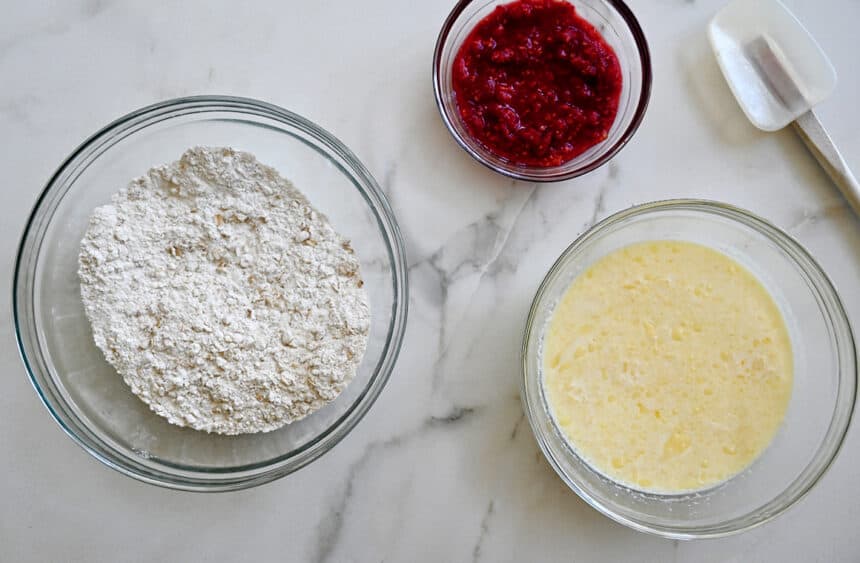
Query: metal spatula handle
[{"x": 824, "y": 149}]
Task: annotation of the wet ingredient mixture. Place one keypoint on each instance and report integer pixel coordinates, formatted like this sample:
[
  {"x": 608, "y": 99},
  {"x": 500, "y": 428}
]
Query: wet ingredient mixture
[
  {"x": 223, "y": 298},
  {"x": 536, "y": 84},
  {"x": 668, "y": 366}
]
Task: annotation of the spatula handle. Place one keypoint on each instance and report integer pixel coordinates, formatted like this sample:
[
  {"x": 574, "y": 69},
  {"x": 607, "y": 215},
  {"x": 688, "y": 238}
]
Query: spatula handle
[{"x": 824, "y": 149}]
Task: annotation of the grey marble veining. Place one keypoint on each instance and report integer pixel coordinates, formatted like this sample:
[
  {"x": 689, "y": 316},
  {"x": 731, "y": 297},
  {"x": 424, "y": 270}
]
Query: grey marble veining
[{"x": 444, "y": 467}]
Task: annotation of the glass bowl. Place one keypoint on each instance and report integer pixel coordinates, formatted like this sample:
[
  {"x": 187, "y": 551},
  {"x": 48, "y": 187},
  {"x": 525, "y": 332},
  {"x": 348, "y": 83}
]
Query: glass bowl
[
  {"x": 84, "y": 393},
  {"x": 825, "y": 377},
  {"x": 615, "y": 21}
]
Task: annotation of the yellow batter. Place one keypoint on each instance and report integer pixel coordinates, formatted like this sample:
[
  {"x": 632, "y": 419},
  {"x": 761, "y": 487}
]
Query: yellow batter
[{"x": 668, "y": 366}]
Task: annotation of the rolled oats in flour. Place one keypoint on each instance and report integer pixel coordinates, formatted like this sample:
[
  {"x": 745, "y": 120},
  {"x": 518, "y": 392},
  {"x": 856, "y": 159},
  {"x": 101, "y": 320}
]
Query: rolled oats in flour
[{"x": 221, "y": 296}]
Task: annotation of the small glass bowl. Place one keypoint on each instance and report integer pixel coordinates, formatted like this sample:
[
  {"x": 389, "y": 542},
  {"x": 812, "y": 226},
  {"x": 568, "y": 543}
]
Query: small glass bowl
[
  {"x": 825, "y": 376},
  {"x": 619, "y": 27},
  {"x": 84, "y": 393}
]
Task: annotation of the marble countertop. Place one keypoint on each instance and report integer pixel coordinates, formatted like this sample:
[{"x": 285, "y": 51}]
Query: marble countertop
[{"x": 444, "y": 467}]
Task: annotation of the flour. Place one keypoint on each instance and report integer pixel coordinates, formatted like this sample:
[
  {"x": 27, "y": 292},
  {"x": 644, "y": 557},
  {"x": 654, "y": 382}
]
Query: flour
[{"x": 221, "y": 296}]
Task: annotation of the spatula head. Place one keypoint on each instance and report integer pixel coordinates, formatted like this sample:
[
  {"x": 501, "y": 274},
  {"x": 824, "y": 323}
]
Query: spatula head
[{"x": 774, "y": 67}]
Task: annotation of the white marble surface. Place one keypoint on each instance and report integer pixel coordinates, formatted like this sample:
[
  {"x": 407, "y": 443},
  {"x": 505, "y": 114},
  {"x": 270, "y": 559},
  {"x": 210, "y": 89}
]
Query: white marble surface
[{"x": 444, "y": 467}]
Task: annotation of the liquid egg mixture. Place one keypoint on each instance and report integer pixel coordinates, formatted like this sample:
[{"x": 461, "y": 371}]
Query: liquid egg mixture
[{"x": 668, "y": 366}]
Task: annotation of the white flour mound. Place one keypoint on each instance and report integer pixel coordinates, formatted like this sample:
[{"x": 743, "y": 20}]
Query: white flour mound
[{"x": 223, "y": 298}]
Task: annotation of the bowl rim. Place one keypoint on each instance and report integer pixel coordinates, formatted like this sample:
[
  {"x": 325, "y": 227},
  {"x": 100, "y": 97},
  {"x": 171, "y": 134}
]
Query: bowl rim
[
  {"x": 845, "y": 398},
  {"x": 525, "y": 173},
  {"x": 236, "y": 477}
]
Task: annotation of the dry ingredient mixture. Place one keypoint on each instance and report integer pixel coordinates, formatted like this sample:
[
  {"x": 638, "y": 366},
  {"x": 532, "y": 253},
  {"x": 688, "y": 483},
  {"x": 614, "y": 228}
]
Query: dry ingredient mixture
[{"x": 223, "y": 298}]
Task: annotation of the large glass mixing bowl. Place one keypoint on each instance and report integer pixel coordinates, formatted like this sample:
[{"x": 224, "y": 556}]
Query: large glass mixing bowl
[
  {"x": 824, "y": 386},
  {"x": 84, "y": 393}
]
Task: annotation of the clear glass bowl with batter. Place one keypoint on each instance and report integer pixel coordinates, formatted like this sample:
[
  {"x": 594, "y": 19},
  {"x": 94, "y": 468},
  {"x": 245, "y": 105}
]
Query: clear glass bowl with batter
[
  {"x": 84, "y": 393},
  {"x": 824, "y": 387}
]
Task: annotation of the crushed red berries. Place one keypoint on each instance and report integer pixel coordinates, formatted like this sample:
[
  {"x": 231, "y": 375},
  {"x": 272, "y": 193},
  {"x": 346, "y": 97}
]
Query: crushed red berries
[{"x": 536, "y": 84}]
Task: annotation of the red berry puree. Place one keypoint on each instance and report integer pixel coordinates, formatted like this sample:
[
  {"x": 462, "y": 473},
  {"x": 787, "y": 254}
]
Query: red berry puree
[{"x": 536, "y": 84}]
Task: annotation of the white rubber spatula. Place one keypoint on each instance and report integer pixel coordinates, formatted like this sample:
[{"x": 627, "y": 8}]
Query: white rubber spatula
[{"x": 777, "y": 72}]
